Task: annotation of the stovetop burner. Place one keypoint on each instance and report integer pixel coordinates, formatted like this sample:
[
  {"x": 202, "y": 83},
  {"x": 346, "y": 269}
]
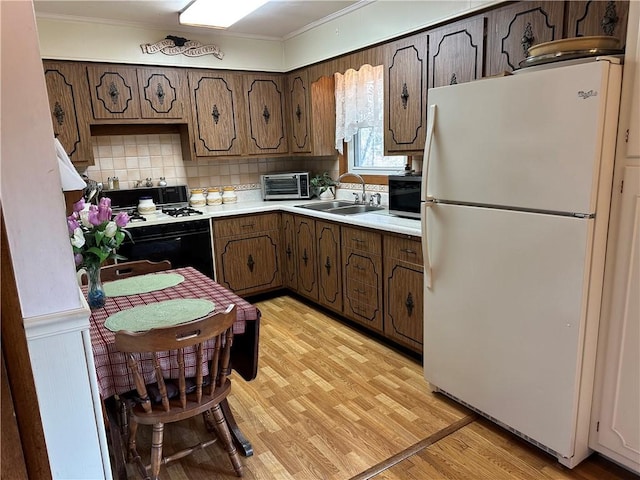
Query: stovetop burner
[
  {"x": 134, "y": 216},
  {"x": 181, "y": 212}
]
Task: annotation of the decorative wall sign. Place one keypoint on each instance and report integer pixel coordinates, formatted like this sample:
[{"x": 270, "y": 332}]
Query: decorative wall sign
[{"x": 172, "y": 45}]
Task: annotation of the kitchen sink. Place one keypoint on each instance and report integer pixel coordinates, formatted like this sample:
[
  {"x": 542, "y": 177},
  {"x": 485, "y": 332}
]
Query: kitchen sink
[
  {"x": 341, "y": 207},
  {"x": 352, "y": 209},
  {"x": 324, "y": 206}
]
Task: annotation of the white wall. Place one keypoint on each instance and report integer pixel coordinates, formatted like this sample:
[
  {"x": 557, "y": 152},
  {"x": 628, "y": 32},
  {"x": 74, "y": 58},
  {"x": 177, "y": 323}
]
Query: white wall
[
  {"x": 31, "y": 192},
  {"x": 34, "y": 213}
]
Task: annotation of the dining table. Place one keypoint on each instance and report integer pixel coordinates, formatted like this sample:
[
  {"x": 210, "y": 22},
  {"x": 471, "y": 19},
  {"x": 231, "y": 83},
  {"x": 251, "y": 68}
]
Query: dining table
[{"x": 113, "y": 375}]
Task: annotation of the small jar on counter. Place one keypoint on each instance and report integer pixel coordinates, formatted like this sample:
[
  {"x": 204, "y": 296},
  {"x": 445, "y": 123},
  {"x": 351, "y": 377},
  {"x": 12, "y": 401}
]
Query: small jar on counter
[
  {"x": 213, "y": 196},
  {"x": 146, "y": 206},
  {"x": 197, "y": 198},
  {"x": 229, "y": 195}
]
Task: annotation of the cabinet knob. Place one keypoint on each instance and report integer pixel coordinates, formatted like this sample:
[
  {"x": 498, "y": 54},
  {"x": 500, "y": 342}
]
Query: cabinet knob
[
  {"x": 527, "y": 39},
  {"x": 113, "y": 93},
  {"x": 327, "y": 265},
  {"x": 215, "y": 113},
  {"x": 298, "y": 113},
  {"x": 160, "y": 94},
  {"x": 404, "y": 96},
  {"x": 409, "y": 304},
  {"x": 610, "y": 19},
  {"x": 58, "y": 112},
  {"x": 305, "y": 257},
  {"x": 266, "y": 114},
  {"x": 250, "y": 263},
  {"x": 288, "y": 251}
]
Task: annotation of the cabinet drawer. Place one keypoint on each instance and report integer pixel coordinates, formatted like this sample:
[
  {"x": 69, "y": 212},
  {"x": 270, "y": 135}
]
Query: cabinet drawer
[
  {"x": 362, "y": 240},
  {"x": 245, "y": 225},
  {"x": 405, "y": 249}
]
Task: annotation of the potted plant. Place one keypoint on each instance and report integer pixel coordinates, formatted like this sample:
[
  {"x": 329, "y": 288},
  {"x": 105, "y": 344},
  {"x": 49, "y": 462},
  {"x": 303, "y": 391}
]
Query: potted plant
[{"x": 323, "y": 186}]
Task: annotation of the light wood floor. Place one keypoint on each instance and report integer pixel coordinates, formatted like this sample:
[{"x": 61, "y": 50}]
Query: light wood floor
[{"x": 331, "y": 403}]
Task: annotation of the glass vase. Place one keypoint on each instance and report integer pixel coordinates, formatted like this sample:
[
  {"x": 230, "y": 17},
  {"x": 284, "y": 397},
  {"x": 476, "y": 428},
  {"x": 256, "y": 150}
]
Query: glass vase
[{"x": 96, "y": 297}]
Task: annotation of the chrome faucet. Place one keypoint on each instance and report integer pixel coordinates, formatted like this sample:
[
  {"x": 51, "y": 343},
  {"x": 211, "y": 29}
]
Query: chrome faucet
[{"x": 358, "y": 199}]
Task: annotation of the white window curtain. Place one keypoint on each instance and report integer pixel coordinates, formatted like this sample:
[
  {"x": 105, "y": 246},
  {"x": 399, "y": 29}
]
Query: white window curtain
[{"x": 359, "y": 101}]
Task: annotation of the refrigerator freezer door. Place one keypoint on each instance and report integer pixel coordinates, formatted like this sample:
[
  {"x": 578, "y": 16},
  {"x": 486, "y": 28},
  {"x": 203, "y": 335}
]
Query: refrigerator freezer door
[
  {"x": 529, "y": 141},
  {"x": 504, "y": 317}
]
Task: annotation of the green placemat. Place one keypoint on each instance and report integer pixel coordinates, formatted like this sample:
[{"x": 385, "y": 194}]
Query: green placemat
[
  {"x": 160, "y": 314},
  {"x": 141, "y": 284}
]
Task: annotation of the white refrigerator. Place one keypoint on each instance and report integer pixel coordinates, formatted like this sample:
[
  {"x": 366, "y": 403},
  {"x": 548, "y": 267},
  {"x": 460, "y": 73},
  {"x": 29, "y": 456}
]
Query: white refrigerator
[{"x": 516, "y": 189}]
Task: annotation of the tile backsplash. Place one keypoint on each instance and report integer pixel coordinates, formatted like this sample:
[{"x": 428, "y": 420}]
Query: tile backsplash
[{"x": 138, "y": 157}]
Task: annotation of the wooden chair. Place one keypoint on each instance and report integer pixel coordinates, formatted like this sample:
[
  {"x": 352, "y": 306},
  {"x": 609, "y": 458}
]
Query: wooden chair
[
  {"x": 130, "y": 269},
  {"x": 116, "y": 271},
  {"x": 184, "y": 397}
]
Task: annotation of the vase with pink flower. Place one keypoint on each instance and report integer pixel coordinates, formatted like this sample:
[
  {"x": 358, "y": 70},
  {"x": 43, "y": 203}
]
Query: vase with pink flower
[{"x": 95, "y": 235}]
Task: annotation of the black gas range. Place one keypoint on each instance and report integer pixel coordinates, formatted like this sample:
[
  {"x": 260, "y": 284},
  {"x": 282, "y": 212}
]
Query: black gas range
[
  {"x": 171, "y": 201},
  {"x": 184, "y": 244}
]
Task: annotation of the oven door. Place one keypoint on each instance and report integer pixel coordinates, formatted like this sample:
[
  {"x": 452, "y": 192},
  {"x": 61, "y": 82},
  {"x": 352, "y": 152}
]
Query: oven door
[{"x": 184, "y": 244}]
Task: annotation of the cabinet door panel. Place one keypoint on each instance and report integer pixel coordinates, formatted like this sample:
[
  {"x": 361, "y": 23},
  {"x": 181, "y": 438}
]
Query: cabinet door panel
[
  {"x": 164, "y": 93},
  {"x": 216, "y": 107},
  {"x": 456, "y": 53},
  {"x": 404, "y": 303},
  {"x": 249, "y": 264},
  {"x": 114, "y": 92},
  {"x": 289, "y": 252},
  {"x": 363, "y": 288},
  {"x": 405, "y": 81},
  {"x": 298, "y": 95},
  {"x": 265, "y": 115},
  {"x": 306, "y": 257},
  {"x": 587, "y": 18},
  {"x": 514, "y": 29},
  {"x": 329, "y": 266},
  {"x": 69, "y": 107}
]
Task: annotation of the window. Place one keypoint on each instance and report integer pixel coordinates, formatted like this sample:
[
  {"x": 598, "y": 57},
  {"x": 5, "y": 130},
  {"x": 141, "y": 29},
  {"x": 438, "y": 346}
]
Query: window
[
  {"x": 359, "y": 121},
  {"x": 365, "y": 153}
]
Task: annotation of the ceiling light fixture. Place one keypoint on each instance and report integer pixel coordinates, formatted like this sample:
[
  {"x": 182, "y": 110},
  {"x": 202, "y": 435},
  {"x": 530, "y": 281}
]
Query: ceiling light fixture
[{"x": 217, "y": 14}]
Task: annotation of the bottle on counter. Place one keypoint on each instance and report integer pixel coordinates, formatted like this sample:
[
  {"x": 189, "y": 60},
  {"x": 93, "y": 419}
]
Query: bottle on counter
[
  {"x": 197, "y": 198},
  {"x": 229, "y": 195},
  {"x": 213, "y": 196}
]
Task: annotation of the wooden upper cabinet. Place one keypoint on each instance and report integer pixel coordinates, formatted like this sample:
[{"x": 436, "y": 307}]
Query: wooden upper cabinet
[
  {"x": 512, "y": 30},
  {"x": 405, "y": 80},
  {"x": 265, "y": 119},
  {"x": 323, "y": 116},
  {"x": 114, "y": 92},
  {"x": 298, "y": 95},
  {"x": 216, "y": 105},
  {"x": 69, "y": 107},
  {"x": 456, "y": 52},
  {"x": 164, "y": 93},
  {"x": 587, "y": 18}
]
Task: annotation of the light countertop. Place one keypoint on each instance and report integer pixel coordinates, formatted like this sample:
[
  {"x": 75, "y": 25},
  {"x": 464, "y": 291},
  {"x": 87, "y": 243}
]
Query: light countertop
[{"x": 380, "y": 220}]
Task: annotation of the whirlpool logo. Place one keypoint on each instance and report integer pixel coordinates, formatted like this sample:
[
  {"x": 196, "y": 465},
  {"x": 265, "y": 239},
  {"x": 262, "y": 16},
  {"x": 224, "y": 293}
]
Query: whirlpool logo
[{"x": 584, "y": 95}]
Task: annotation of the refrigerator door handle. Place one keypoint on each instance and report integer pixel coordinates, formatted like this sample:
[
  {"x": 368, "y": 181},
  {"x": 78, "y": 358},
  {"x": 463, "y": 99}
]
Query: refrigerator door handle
[
  {"x": 431, "y": 119},
  {"x": 428, "y": 274}
]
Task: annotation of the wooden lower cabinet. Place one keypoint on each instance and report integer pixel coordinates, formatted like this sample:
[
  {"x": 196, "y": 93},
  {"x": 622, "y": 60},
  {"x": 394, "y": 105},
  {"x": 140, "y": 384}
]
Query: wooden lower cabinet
[
  {"x": 305, "y": 233},
  {"x": 329, "y": 266},
  {"x": 362, "y": 274},
  {"x": 404, "y": 280},
  {"x": 248, "y": 253}
]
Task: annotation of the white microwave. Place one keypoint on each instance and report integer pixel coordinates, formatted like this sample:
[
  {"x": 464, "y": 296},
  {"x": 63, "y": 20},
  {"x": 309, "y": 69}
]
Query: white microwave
[{"x": 285, "y": 186}]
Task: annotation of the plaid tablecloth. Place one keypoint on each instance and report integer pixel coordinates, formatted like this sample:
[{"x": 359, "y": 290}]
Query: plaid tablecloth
[{"x": 111, "y": 365}]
